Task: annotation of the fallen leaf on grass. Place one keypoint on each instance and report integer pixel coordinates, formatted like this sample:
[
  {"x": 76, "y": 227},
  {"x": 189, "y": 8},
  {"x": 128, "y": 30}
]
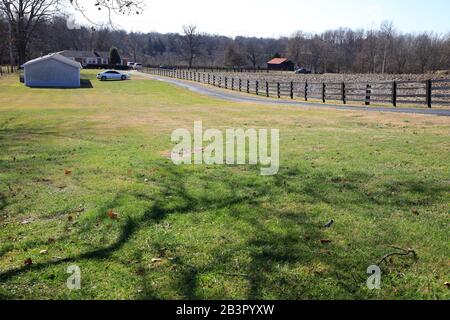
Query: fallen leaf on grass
[
  {"x": 28, "y": 262},
  {"x": 156, "y": 260},
  {"x": 67, "y": 172},
  {"x": 140, "y": 271},
  {"x": 325, "y": 241},
  {"x": 26, "y": 222},
  {"x": 112, "y": 215},
  {"x": 45, "y": 251}
]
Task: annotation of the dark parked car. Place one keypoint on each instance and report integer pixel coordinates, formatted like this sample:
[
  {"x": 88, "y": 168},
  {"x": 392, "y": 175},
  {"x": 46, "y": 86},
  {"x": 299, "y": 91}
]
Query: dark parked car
[
  {"x": 166, "y": 67},
  {"x": 302, "y": 71}
]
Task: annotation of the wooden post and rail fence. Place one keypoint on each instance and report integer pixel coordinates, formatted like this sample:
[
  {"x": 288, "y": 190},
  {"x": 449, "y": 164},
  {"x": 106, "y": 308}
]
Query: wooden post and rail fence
[{"x": 421, "y": 93}]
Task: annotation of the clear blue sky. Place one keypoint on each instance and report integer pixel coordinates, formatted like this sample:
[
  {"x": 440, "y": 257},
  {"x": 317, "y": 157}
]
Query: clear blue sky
[{"x": 278, "y": 18}]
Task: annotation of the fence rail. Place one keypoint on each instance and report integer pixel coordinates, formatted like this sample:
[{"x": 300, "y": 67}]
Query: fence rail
[{"x": 425, "y": 93}]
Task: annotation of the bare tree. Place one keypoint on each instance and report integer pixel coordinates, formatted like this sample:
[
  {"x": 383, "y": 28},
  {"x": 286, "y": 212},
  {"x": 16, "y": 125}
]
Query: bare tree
[
  {"x": 191, "y": 43},
  {"x": 423, "y": 50},
  {"x": 402, "y": 53},
  {"x": 387, "y": 30},
  {"x": 252, "y": 50},
  {"x": 136, "y": 45},
  {"x": 126, "y": 7},
  {"x": 25, "y": 15},
  {"x": 296, "y": 47},
  {"x": 342, "y": 50}
]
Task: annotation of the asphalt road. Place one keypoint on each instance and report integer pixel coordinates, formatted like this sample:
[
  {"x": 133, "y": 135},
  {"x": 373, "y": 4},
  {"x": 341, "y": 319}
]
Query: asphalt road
[{"x": 239, "y": 97}]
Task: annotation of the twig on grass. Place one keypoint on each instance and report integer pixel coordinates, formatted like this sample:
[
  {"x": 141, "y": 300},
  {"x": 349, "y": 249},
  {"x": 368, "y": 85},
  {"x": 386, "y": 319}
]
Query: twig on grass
[
  {"x": 405, "y": 252},
  {"x": 233, "y": 274}
]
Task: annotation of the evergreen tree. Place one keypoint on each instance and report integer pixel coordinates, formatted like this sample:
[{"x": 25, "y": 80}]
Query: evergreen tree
[{"x": 114, "y": 56}]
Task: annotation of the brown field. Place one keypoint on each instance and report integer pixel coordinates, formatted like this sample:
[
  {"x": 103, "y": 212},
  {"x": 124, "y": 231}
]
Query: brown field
[{"x": 287, "y": 76}]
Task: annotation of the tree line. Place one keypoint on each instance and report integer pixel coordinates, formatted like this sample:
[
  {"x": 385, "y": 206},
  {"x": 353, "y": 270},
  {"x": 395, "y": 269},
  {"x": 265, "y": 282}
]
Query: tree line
[{"x": 378, "y": 50}]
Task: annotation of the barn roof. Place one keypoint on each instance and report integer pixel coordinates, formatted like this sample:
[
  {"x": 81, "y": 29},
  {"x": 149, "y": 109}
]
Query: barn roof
[
  {"x": 277, "y": 61},
  {"x": 55, "y": 56}
]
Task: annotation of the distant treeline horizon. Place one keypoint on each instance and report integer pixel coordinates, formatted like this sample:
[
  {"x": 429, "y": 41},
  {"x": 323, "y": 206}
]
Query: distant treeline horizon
[{"x": 380, "y": 50}]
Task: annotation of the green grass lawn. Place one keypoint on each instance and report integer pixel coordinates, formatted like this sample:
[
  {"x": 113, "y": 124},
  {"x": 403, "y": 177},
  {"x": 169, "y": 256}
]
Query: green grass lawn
[{"x": 215, "y": 232}]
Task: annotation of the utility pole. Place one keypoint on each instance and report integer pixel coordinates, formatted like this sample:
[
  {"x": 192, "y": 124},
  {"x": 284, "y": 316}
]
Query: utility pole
[{"x": 11, "y": 56}]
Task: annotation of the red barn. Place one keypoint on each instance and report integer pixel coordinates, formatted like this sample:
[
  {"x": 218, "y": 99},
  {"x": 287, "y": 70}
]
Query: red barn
[{"x": 280, "y": 64}]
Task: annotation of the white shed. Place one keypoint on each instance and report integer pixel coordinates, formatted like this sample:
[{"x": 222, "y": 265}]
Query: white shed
[{"x": 53, "y": 70}]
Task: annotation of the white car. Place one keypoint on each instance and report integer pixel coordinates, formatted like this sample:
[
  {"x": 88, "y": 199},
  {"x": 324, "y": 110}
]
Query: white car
[{"x": 112, "y": 75}]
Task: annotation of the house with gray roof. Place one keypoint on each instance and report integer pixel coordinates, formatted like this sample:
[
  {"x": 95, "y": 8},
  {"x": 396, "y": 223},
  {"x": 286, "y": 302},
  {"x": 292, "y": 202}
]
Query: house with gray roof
[{"x": 95, "y": 59}]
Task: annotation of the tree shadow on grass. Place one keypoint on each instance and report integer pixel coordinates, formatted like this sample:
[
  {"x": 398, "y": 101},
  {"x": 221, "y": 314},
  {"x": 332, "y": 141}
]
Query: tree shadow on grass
[
  {"x": 297, "y": 241},
  {"x": 157, "y": 212},
  {"x": 3, "y": 203},
  {"x": 270, "y": 249}
]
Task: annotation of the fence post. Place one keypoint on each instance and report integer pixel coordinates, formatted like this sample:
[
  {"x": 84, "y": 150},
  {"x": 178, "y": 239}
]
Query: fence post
[
  {"x": 344, "y": 99},
  {"x": 292, "y": 89},
  {"x": 323, "y": 92},
  {"x": 278, "y": 90},
  {"x": 257, "y": 88},
  {"x": 248, "y": 86},
  {"x": 267, "y": 88},
  {"x": 240, "y": 85},
  {"x": 429, "y": 92},
  {"x": 306, "y": 91},
  {"x": 368, "y": 93},
  {"x": 214, "y": 80},
  {"x": 232, "y": 84},
  {"x": 394, "y": 93},
  {"x": 209, "y": 78}
]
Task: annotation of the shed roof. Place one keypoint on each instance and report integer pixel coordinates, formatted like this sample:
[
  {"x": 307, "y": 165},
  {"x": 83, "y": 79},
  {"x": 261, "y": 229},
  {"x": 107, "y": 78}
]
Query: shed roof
[
  {"x": 277, "y": 61},
  {"x": 55, "y": 56}
]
